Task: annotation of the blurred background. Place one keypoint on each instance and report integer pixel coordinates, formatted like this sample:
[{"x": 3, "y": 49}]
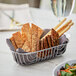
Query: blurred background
[
  {"x": 42, "y": 4},
  {"x": 13, "y": 18}
]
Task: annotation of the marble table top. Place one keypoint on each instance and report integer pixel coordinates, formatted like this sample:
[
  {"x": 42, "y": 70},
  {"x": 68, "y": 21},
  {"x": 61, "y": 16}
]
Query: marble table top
[{"x": 44, "y": 19}]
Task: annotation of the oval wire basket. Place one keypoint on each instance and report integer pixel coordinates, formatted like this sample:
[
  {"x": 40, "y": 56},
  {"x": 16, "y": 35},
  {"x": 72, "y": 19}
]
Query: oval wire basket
[{"x": 24, "y": 58}]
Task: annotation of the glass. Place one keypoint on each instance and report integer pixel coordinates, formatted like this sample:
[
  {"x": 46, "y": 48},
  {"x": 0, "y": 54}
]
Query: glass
[{"x": 62, "y": 8}]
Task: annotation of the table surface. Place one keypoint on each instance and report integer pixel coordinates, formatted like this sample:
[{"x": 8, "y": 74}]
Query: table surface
[{"x": 44, "y": 19}]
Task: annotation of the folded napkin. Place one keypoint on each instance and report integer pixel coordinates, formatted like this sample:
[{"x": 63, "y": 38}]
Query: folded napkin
[
  {"x": 21, "y": 14},
  {"x": 12, "y": 6}
]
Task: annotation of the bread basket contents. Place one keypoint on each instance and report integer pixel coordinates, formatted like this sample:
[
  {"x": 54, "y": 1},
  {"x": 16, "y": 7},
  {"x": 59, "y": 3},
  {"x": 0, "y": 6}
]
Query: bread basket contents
[
  {"x": 68, "y": 70},
  {"x": 29, "y": 39},
  {"x": 38, "y": 43}
]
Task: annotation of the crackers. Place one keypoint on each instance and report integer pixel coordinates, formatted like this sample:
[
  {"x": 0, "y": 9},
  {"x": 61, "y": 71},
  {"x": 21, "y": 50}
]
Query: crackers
[
  {"x": 40, "y": 32},
  {"x": 38, "y": 45},
  {"x": 26, "y": 47},
  {"x": 25, "y": 31},
  {"x": 18, "y": 39},
  {"x": 13, "y": 42},
  {"x": 49, "y": 40},
  {"x": 45, "y": 43},
  {"x": 34, "y": 37},
  {"x": 54, "y": 37},
  {"x": 26, "y": 35},
  {"x": 28, "y": 39}
]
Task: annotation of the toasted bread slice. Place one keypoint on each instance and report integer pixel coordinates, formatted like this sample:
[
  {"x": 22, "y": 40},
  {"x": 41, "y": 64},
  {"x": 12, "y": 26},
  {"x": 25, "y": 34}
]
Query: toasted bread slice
[
  {"x": 54, "y": 37},
  {"x": 39, "y": 48},
  {"x": 45, "y": 43},
  {"x": 49, "y": 41},
  {"x": 46, "y": 46},
  {"x": 42, "y": 44},
  {"x": 18, "y": 39},
  {"x": 26, "y": 35},
  {"x": 25, "y": 28},
  {"x": 34, "y": 29},
  {"x": 25, "y": 31},
  {"x": 40, "y": 32},
  {"x": 36, "y": 34},
  {"x": 13, "y": 42},
  {"x": 30, "y": 38},
  {"x": 38, "y": 45},
  {"x": 26, "y": 47},
  {"x": 42, "y": 47}
]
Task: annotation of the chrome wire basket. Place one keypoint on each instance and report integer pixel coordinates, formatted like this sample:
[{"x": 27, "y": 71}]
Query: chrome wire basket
[{"x": 24, "y": 58}]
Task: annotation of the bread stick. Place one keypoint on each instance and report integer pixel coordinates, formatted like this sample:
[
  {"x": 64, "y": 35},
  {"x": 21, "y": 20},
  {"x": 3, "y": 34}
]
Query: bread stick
[
  {"x": 64, "y": 26},
  {"x": 66, "y": 29},
  {"x": 56, "y": 27}
]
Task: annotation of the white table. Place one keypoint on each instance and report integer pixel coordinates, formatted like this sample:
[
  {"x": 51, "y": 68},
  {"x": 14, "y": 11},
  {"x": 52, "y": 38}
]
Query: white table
[{"x": 44, "y": 19}]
